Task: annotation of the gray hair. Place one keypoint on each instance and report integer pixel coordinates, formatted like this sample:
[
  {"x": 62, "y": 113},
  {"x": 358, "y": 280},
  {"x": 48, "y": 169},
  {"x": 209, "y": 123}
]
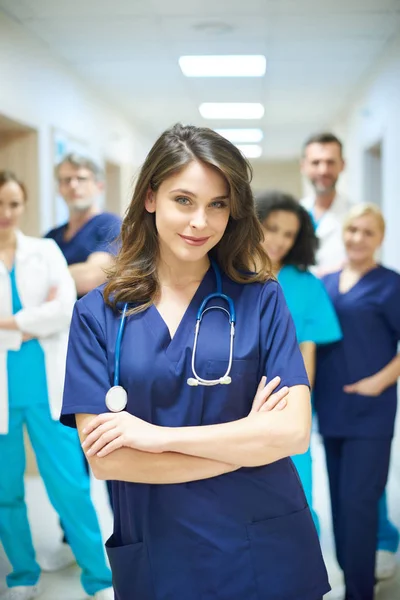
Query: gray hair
[{"x": 79, "y": 161}]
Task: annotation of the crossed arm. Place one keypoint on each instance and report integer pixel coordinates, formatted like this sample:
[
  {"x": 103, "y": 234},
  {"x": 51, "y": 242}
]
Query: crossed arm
[
  {"x": 125, "y": 448},
  {"x": 91, "y": 273}
]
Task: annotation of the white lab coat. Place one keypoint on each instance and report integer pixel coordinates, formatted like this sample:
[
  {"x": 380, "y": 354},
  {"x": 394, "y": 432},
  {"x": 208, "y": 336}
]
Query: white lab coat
[
  {"x": 331, "y": 252},
  {"x": 39, "y": 265}
]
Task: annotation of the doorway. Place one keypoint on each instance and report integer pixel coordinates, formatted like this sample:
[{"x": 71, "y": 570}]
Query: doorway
[
  {"x": 19, "y": 153},
  {"x": 113, "y": 198},
  {"x": 373, "y": 184}
]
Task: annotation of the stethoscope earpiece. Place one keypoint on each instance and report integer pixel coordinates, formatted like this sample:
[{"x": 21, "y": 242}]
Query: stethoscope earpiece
[
  {"x": 225, "y": 380},
  {"x": 192, "y": 382}
]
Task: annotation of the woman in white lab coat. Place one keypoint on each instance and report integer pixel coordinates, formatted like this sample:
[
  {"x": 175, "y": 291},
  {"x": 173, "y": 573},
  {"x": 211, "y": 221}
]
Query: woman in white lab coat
[{"x": 37, "y": 295}]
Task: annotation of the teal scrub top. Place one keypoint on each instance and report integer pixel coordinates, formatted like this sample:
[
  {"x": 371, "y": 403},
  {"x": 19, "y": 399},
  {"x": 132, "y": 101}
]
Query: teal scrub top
[
  {"x": 27, "y": 383},
  {"x": 312, "y": 311}
]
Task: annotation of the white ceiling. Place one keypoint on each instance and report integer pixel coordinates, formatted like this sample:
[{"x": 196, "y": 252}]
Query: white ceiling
[{"x": 318, "y": 52}]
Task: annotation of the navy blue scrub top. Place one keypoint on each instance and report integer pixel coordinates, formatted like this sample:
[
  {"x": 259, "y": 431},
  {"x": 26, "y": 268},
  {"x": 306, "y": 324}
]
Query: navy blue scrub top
[
  {"x": 369, "y": 315},
  {"x": 247, "y": 534},
  {"x": 97, "y": 235}
]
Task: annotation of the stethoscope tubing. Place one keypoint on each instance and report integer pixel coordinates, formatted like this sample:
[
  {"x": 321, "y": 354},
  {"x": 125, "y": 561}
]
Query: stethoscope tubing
[{"x": 196, "y": 380}]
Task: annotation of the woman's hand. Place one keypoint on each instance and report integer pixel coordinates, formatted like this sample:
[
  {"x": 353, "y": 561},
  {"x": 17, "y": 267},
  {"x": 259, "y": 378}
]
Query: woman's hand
[
  {"x": 265, "y": 400},
  {"x": 369, "y": 386},
  {"x": 52, "y": 294},
  {"x": 27, "y": 337},
  {"x": 110, "y": 431}
]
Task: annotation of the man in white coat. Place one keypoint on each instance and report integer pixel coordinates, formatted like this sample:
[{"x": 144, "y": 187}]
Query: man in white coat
[{"x": 322, "y": 163}]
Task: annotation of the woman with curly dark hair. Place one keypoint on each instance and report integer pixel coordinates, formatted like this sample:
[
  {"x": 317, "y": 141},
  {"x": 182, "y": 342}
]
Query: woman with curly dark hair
[{"x": 291, "y": 243}]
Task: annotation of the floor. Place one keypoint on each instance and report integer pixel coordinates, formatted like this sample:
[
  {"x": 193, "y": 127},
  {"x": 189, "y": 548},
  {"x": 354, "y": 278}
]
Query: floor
[{"x": 65, "y": 585}]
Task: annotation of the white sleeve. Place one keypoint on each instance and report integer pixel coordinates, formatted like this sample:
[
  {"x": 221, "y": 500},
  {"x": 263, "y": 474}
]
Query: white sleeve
[
  {"x": 54, "y": 316},
  {"x": 10, "y": 340}
]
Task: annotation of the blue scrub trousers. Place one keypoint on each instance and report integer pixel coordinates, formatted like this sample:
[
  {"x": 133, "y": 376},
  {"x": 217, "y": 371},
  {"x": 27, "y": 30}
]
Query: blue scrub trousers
[
  {"x": 357, "y": 470},
  {"x": 388, "y": 534},
  {"x": 60, "y": 464},
  {"x": 109, "y": 491}
]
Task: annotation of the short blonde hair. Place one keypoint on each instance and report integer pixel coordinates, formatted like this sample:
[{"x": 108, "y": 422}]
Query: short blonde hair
[{"x": 362, "y": 210}]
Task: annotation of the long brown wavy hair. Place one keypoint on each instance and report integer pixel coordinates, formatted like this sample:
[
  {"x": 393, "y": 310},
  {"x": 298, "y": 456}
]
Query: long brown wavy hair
[{"x": 239, "y": 253}]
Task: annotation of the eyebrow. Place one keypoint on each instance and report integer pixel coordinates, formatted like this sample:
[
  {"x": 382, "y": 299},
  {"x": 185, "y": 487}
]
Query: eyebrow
[{"x": 188, "y": 193}]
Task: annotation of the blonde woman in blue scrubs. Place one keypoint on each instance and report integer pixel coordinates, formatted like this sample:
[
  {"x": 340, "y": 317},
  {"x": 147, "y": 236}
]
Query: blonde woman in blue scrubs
[{"x": 291, "y": 243}]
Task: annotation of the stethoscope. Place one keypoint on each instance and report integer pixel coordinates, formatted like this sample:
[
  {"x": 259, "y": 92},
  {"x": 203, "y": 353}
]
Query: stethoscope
[{"x": 117, "y": 397}]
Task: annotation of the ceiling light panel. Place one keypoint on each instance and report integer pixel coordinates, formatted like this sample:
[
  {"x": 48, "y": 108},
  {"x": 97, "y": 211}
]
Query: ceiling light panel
[
  {"x": 242, "y": 136},
  {"x": 223, "y": 66},
  {"x": 231, "y": 110},
  {"x": 250, "y": 150}
]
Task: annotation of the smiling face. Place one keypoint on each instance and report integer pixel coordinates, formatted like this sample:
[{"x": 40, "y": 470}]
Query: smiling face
[
  {"x": 12, "y": 206},
  {"x": 191, "y": 212},
  {"x": 280, "y": 228},
  {"x": 362, "y": 237},
  {"x": 322, "y": 165}
]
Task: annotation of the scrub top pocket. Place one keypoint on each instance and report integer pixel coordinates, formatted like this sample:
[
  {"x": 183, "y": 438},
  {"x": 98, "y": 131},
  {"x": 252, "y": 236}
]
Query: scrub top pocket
[
  {"x": 362, "y": 406},
  {"x": 217, "y": 368},
  {"x": 284, "y": 553},
  {"x": 223, "y": 403},
  {"x": 131, "y": 571}
]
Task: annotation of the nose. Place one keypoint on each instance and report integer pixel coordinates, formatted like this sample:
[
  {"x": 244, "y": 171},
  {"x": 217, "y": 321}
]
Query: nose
[
  {"x": 357, "y": 237},
  {"x": 323, "y": 168},
  {"x": 73, "y": 183},
  {"x": 199, "y": 219},
  {"x": 5, "y": 212}
]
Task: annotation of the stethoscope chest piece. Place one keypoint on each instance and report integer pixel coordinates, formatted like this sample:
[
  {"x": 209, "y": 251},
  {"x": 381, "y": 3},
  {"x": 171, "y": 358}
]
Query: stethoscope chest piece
[{"x": 116, "y": 398}]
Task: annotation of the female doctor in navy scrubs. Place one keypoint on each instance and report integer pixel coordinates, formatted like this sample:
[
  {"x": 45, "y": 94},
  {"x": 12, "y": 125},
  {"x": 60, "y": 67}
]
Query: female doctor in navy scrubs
[
  {"x": 356, "y": 396},
  {"x": 207, "y": 503}
]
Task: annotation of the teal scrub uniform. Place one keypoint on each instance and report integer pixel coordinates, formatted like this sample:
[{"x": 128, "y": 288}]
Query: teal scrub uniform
[
  {"x": 315, "y": 321},
  {"x": 61, "y": 467}
]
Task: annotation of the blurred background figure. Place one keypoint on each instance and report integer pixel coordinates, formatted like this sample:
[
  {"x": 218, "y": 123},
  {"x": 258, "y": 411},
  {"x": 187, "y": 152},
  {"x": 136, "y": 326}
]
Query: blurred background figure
[
  {"x": 88, "y": 242},
  {"x": 322, "y": 163},
  {"x": 356, "y": 396},
  {"x": 37, "y": 297},
  {"x": 291, "y": 243},
  {"x": 88, "y": 239}
]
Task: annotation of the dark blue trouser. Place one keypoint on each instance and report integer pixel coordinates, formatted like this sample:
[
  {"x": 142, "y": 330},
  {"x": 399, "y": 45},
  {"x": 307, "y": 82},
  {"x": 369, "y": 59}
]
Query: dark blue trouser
[{"x": 357, "y": 471}]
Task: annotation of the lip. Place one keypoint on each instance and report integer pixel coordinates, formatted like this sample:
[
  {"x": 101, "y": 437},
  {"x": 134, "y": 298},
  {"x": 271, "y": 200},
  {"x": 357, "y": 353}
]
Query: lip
[
  {"x": 4, "y": 223},
  {"x": 274, "y": 253},
  {"x": 194, "y": 241}
]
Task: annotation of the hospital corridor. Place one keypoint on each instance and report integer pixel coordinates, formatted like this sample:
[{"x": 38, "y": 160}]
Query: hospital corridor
[{"x": 199, "y": 300}]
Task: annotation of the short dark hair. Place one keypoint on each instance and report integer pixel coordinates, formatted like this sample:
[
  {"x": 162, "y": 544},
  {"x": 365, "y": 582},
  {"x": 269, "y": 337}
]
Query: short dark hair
[
  {"x": 79, "y": 161},
  {"x": 323, "y": 138},
  {"x": 302, "y": 254},
  {"x": 8, "y": 177}
]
